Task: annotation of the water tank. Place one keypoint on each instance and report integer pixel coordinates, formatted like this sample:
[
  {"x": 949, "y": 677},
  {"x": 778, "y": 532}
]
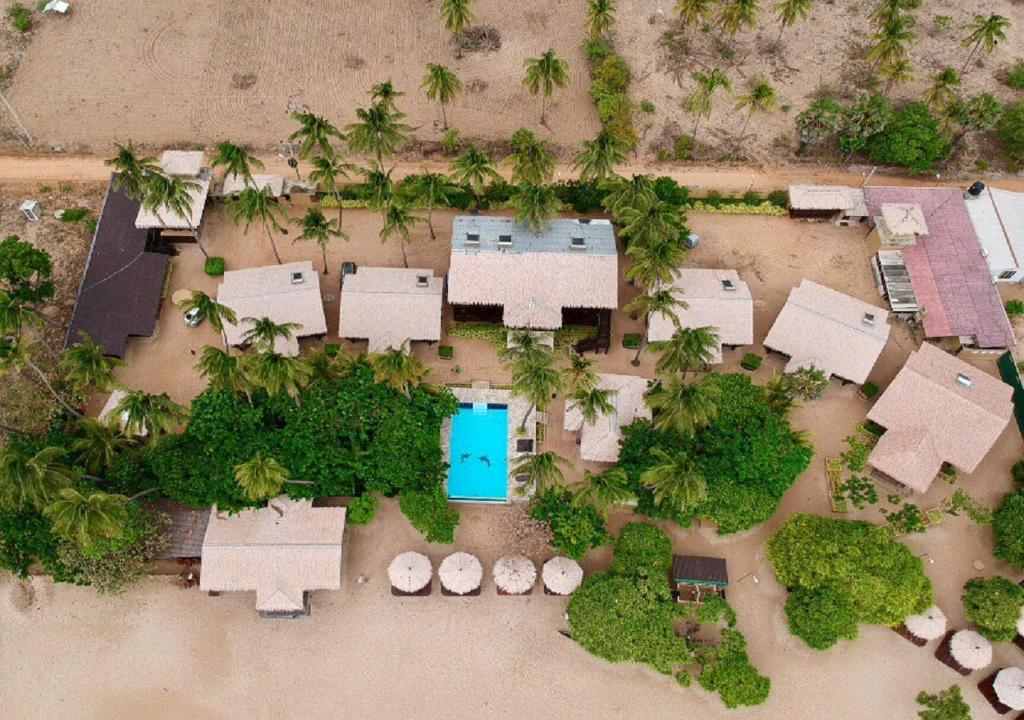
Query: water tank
[
  {"x": 691, "y": 241},
  {"x": 976, "y": 189}
]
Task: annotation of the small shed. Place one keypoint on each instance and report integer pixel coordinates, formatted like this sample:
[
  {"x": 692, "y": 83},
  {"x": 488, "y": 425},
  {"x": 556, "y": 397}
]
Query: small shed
[
  {"x": 843, "y": 205},
  {"x": 695, "y": 577}
]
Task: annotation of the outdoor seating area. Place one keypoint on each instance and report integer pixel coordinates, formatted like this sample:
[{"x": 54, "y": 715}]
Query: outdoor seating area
[{"x": 461, "y": 574}]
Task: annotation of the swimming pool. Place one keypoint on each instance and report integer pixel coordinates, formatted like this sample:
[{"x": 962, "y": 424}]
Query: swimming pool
[{"x": 479, "y": 453}]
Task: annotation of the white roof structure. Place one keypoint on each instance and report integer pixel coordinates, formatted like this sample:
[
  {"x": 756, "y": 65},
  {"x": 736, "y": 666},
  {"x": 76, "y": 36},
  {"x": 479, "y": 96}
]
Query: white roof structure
[
  {"x": 279, "y": 551},
  {"x": 389, "y": 306},
  {"x": 497, "y": 261},
  {"x": 182, "y": 163},
  {"x": 599, "y": 441},
  {"x": 998, "y": 220},
  {"x": 835, "y": 333},
  {"x": 715, "y": 298},
  {"x": 165, "y": 219},
  {"x": 904, "y": 219},
  {"x": 284, "y": 293},
  {"x": 234, "y": 184},
  {"x": 828, "y": 197},
  {"x": 938, "y": 409}
]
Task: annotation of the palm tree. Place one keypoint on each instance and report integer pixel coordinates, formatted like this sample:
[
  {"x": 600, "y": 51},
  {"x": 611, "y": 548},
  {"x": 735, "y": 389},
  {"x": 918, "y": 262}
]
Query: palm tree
[
  {"x": 531, "y": 158},
  {"x": 654, "y": 302},
  {"x": 329, "y": 172},
  {"x": 398, "y": 368},
  {"x": 541, "y": 470},
  {"x": 941, "y": 91},
  {"x": 592, "y": 403},
  {"x": 386, "y": 94},
  {"x": 688, "y": 349},
  {"x": 700, "y": 102},
  {"x": 315, "y": 133},
  {"x": 378, "y": 131},
  {"x": 430, "y": 189},
  {"x": 254, "y": 205},
  {"x": 979, "y": 114},
  {"x": 736, "y": 14},
  {"x": 320, "y": 230},
  {"x": 580, "y": 375},
  {"x": 677, "y": 484},
  {"x": 535, "y": 205},
  {"x": 522, "y": 344},
  {"x": 693, "y": 12},
  {"x": 16, "y": 316},
  {"x": 236, "y": 160},
  {"x": 535, "y": 378},
  {"x": 175, "y": 195},
  {"x": 443, "y": 86},
  {"x": 474, "y": 168},
  {"x": 96, "y": 445},
  {"x": 87, "y": 519},
  {"x": 598, "y": 158},
  {"x": 215, "y": 312},
  {"x": 759, "y": 98},
  {"x": 684, "y": 407},
  {"x": 653, "y": 222},
  {"x": 543, "y": 75},
  {"x": 380, "y": 186},
  {"x": 32, "y": 480},
  {"x": 654, "y": 263},
  {"x": 600, "y": 16},
  {"x": 895, "y": 72},
  {"x": 456, "y": 15},
  {"x": 261, "y": 478},
  {"x": 984, "y": 31},
  {"x": 891, "y": 42},
  {"x": 144, "y": 414},
  {"x": 222, "y": 371},
  {"x": 264, "y": 333},
  {"x": 636, "y": 193},
  {"x": 17, "y": 355},
  {"x": 398, "y": 221},
  {"x": 790, "y": 12},
  {"x": 602, "y": 490},
  {"x": 324, "y": 367},
  {"x": 84, "y": 365},
  {"x": 132, "y": 170},
  {"x": 276, "y": 373}
]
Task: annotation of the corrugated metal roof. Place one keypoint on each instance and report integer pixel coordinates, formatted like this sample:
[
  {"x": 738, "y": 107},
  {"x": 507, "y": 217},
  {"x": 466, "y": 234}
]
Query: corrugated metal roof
[{"x": 598, "y": 236}]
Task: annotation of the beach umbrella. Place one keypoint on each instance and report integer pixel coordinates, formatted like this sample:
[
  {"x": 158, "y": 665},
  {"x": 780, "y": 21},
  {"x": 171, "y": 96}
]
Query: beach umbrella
[
  {"x": 562, "y": 575},
  {"x": 970, "y": 650},
  {"x": 1009, "y": 687},
  {"x": 410, "y": 572},
  {"x": 460, "y": 573},
  {"x": 514, "y": 574},
  {"x": 929, "y": 625}
]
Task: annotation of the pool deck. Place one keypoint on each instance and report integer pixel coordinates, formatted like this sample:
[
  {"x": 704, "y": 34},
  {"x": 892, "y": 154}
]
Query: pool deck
[{"x": 516, "y": 408}]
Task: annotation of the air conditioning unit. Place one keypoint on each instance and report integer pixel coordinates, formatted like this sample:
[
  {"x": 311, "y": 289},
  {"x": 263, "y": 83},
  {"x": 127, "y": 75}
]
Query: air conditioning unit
[
  {"x": 505, "y": 240},
  {"x": 297, "y": 278},
  {"x": 472, "y": 238},
  {"x": 578, "y": 243},
  {"x": 422, "y": 281}
]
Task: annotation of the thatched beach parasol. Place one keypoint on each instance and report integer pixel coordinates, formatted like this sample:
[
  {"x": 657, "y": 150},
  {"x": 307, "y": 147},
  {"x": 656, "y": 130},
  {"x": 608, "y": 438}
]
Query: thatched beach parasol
[
  {"x": 929, "y": 625},
  {"x": 1004, "y": 689},
  {"x": 410, "y": 574},
  {"x": 562, "y": 575},
  {"x": 514, "y": 575},
  {"x": 965, "y": 651},
  {"x": 460, "y": 574}
]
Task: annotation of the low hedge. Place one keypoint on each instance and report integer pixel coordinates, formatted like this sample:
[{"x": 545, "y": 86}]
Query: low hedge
[
  {"x": 214, "y": 266},
  {"x": 445, "y": 352},
  {"x": 751, "y": 361},
  {"x": 631, "y": 341},
  {"x": 493, "y": 333},
  {"x": 573, "y": 334},
  {"x": 739, "y": 208}
]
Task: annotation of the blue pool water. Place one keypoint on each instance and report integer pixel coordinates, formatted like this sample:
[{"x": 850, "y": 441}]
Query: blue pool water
[{"x": 479, "y": 460}]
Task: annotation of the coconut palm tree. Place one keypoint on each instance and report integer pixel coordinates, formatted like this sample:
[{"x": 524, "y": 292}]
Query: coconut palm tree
[
  {"x": 378, "y": 130},
  {"x": 315, "y": 134},
  {"x": 600, "y": 16},
  {"x": 651, "y": 223},
  {"x": 891, "y": 42},
  {"x": 456, "y": 15},
  {"x": 398, "y": 222},
  {"x": 398, "y": 368},
  {"x": 541, "y": 470},
  {"x": 684, "y": 407},
  {"x": 941, "y": 92},
  {"x": 217, "y": 314},
  {"x": 535, "y": 378},
  {"x": 317, "y": 228},
  {"x": 759, "y": 98},
  {"x": 978, "y": 114},
  {"x": 276, "y": 373},
  {"x": 430, "y": 190},
  {"x": 380, "y": 186},
  {"x": 254, "y": 205},
  {"x": 237, "y": 161},
  {"x": 790, "y": 12},
  {"x": 174, "y": 195},
  {"x": 592, "y": 403},
  {"x": 15, "y": 316},
  {"x": 621, "y": 194},
  {"x": 261, "y": 478},
  {"x": 531, "y": 159},
  {"x": 701, "y": 101},
  {"x": 84, "y": 365},
  {"x": 677, "y": 484},
  {"x": 85, "y": 519},
  {"x": 535, "y": 205},
  {"x": 522, "y": 344},
  {"x": 264, "y": 333},
  {"x": 984, "y": 32},
  {"x": 688, "y": 349},
  {"x": 693, "y": 12},
  {"x": 580, "y": 375},
  {"x": 133, "y": 170},
  {"x": 441, "y": 85},
  {"x": 96, "y": 445},
  {"x": 603, "y": 490},
  {"x": 324, "y": 367},
  {"x": 329, "y": 172},
  {"x": 598, "y": 158},
  {"x": 32, "y": 481},
  {"x": 17, "y": 355},
  {"x": 386, "y": 94},
  {"x": 895, "y": 72},
  {"x": 736, "y": 14},
  {"x": 654, "y": 302},
  {"x": 654, "y": 263},
  {"x": 143, "y": 414},
  {"x": 475, "y": 167},
  {"x": 222, "y": 371},
  {"x": 543, "y": 75}
]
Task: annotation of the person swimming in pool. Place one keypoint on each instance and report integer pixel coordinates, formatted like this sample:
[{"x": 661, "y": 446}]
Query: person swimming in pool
[
  {"x": 465, "y": 456},
  {"x": 486, "y": 460}
]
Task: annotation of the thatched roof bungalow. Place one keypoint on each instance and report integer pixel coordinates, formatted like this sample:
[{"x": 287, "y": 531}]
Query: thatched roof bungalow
[
  {"x": 599, "y": 441},
  {"x": 827, "y": 202},
  {"x": 389, "y": 306},
  {"x": 187, "y": 165}
]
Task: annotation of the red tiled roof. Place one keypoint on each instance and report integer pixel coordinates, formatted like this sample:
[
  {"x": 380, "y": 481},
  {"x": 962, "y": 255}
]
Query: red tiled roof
[{"x": 947, "y": 269}]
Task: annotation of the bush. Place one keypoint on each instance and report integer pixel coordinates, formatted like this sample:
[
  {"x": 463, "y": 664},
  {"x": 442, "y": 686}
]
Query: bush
[
  {"x": 911, "y": 140},
  {"x": 806, "y": 383},
  {"x": 445, "y": 352},
  {"x": 682, "y": 149},
  {"x": 214, "y": 266},
  {"x": 1015, "y": 75},
  {"x": 907, "y": 520},
  {"x": 25, "y": 271},
  {"x": 669, "y": 191},
  {"x": 631, "y": 341},
  {"x": 647, "y": 106},
  {"x": 21, "y": 17},
  {"x": 821, "y": 617},
  {"x": 1008, "y": 529},
  {"x": 727, "y": 670},
  {"x": 72, "y": 215},
  {"x": 450, "y": 142},
  {"x": 1017, "y": 472},
  {"x": 642, "y": 549},
  {"x": 946, "y": 705},
  {"x": 779, "y": 198},
  {"x": 751, "y": 361},
  {"x": 332, "y": 349},
  {"x": 429, "y": 512},
  {"x": 575, "y": 528},
  {"x": 609, "y": 75},
  {"x": 1011, "y": 131},
  {"x": 868, "y": 390},
  {"x": 1014, "y": 307},
  {"x": 26, "y": 538},
  {"x": 493, "y": 333},
  {"x": 362, "y": 509},
  {"x": 993, "y": 604}
]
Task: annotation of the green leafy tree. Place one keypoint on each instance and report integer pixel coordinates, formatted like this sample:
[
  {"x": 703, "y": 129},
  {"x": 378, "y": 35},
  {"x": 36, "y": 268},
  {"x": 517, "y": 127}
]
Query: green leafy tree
[
  {"x": 984, "y": 32},
  {"x": 600, "y": 16},
  {"x": 542, "y": 470},
  {"x": 819, "y": 123},
  {"x": 1010, "y": 130},
  {"x": 252, "y": 205},
  {"x": 736, "y": 14},
  {"x": 97, "y": 445},
  {"x": 603, "y": 490},
  {"x": 684, "y": 407},
  {"x": 133, "y": 170},
  {"x": 432, "y": 190},
  {"x": 315, "y": 134},
  {"x": 790, "y": 12},
  {"x": 535, "y": 205},
  {"x": 598, "y": 158},
  {"x": 700, "y": 102},
  {"x": 760, "y": 98},
  {"x": 945, "y": 705},
  {"x": 398, "y": 222},
  {"x": 26, "y": 272},
  {"x": 1008, "y": 529},
  {"x": 317, "y": 228},
  {"x": 143, "y": 414},
  {"x": 677, "y": 483},
  {"x": 378, "y": 130},
  {"x": 544, "y": 75},
  {"x": 475, "y": 168},
  {"x": 865, "y": 119},
  {"x": 429, "y": 512},
  {"x": 978, "y": 114},
  {"x": 235, "y": 160},
  {"x": 592, "y": 403},
  {"x": 441, "y": 85},
  {"x": 994, "y": 605},
  {"x": 456, "y": 15},
  {"x": 399, "y": 369},
  {"x": 821, "y": 617},
  {"x": 216, "y": 313},
  {"x": 84, "y": 366},
  {"x": 575, "y": 527},
  {"x": 531, "y": 159},
  {"x": 911, "y": 139},
  {"x": 86, "y": 518},
  {"x": 32, "y": 480},
  {"x": 636, "y": 194},
  {"x": 689, "y": 349},
  {"x": 727, "y": 670}
]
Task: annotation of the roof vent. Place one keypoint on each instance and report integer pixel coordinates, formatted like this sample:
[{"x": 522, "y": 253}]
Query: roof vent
[
  {"x": 727, "y": 285},
  {"x": 296, "y": 277},
  {"x": 584, "y": 221},
  {"x": 504, "y": 239},
  {"x": 422, "y": 281},
  {"x": 963, "y": 381},
  {"x": 869, "y": 319},
  {"x": 472, "y": 238},
  {"x": 578, "y": 243}
]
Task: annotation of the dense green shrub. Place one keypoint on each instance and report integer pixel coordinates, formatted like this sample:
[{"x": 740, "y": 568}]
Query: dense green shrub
[
  {"x": 868, "y": 390},
  {"x": 779, "y": 198},
  {"x": 669, "y": 191},
  {"x": 631, "y": 341},
  {"x": 912, "y": 140},
  {"x": 682, "y": 148},
  {"x": 642, "y": 549},
  {"x": 77, "y": 214},
  {"x": 214, "y": 266},
  {"x": 609, "y": 76},
  {"x": 1015, "y": 75},
  {"x": 1014, "y": 307},
  {"x": 821, "y": 617},
  {"x": 993, "y": 604},
  {"x": 583, "y": 197},
  {"x": 946, "y": 705},
  {"x": 727, "y": 670},
  {"x": 362, "y": 509},
  {"x": 493, "y": 333},
  {"x": 1008, "y": 529},
  {"x": 429, "y": 512},
  {"x": 332, "y": 349},
  {"x": 749, "y": 456},
  {"x": 1011, "y": 130},
  {"x": 751, "y": 361},
  {"x": 445, "y": 352},
  {"x": 26, "y": 538},
  {"x": 21, "y": 17},
  {"x": 575, "y": 528},
  {"x": 845, "y": 563},
  {"x": 25, "y": 271}
]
